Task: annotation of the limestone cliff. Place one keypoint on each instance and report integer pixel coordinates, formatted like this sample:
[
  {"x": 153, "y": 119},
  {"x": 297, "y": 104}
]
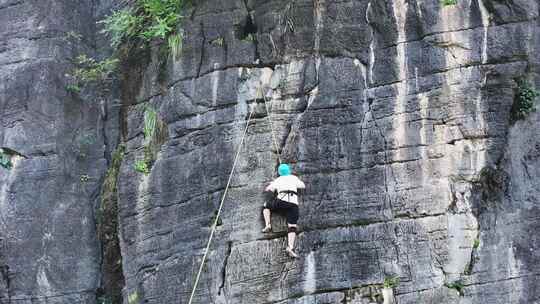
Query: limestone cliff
[{"x": 396, "y": 114}]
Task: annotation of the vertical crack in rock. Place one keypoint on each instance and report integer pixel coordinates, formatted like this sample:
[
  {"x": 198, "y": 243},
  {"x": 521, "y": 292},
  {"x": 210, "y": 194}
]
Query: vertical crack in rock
[
  {"x": 224, "y": 268},
  {"x": 470, "y": 265},
  {"x": 294, "y": 127},
  {"x": 485, "y": 24},
  {"x": 5, "y": 281},
  {"x": 366, "y": 101},
  {"x": 488, "y": 191},
  {"x": 201, "y": 58},
  {"x": 104, "y": 133},
  {"x": 372, "y": 45},
  {"x": 319, "y": 9},
  {"x": 248, "y": 27},
  {"x": 285, "y": 154},
  {"x": 107, "y": 231},
  {"x": 452, "y": 207},
  {"x": 255, "y": 43},
  {"x": 386, "y": 159}
]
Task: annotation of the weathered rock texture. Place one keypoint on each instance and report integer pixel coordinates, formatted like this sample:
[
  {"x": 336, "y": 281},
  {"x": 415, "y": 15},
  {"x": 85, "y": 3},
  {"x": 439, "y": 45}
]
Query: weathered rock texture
[
  {"x": 60, "y": 141},
  {"x": 394, "y": 113}
]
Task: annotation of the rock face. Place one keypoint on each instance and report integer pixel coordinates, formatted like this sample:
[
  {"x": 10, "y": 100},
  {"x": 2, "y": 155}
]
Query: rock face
[
  {"x": 396, "y": 114},
  {"x": 58, "y": 144}
]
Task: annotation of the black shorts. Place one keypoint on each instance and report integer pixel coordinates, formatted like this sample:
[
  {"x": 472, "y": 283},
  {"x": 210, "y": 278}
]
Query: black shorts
[{"x": 290, "y": 210}]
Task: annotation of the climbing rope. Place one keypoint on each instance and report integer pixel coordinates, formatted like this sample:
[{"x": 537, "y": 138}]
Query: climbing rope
[
  {"x": 268, "y": 115},
  {"x": 239, "y": 149}
]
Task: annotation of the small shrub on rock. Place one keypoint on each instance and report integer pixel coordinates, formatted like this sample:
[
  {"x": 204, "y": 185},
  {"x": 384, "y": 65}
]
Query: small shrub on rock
[
  {"x": 449, "y": 2},
  {"x": 147, "y": 20},
  {"x": 391, "y": 282},
  {"x": 142, "y": 167},
  {"x": 5, "y": 160},
  {"x": 524, "y": 99},
  {"x": 457, "y": 285}
]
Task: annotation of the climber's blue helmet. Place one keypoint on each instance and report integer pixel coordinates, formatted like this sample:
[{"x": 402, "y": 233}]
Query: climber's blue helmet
[{"x": 284, "y": 170}]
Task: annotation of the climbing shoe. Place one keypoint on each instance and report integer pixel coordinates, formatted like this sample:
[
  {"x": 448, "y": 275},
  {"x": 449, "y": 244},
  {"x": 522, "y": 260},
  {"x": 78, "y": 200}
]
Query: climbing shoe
[
  {"x": 291, "y": 253},
  {"x": 267, "y": 229}
]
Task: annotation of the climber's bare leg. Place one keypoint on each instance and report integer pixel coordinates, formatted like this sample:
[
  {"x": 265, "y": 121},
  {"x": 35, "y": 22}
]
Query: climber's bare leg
[
  {"x": 291, "y": 238},
  {"x": 267, "y": 220}
]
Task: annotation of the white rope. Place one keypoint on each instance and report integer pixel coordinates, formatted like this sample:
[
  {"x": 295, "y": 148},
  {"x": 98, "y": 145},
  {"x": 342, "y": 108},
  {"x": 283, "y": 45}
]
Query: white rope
[
  {"x": 220, "y": 207},
  {"x": 271, "y": 127},
  {"x": 227, "y": 188}
]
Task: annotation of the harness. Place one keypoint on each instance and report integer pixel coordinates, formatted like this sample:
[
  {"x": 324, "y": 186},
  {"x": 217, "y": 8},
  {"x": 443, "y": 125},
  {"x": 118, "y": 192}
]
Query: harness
[{"x": 288, "y": 193}]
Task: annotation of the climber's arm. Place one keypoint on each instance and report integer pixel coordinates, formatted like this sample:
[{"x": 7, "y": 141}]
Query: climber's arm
[
  {"x": 300, "y": 184},
  {"x": 271, "y": 187}
]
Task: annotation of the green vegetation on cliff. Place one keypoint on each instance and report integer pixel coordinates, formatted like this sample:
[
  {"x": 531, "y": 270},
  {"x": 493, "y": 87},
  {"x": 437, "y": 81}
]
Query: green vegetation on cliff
[
  {"x": 5, "y": 160},
  {"x": 449, "y": 2},
  {"x": 147, "y": 20},
  {"x": 523, "y": 100}
]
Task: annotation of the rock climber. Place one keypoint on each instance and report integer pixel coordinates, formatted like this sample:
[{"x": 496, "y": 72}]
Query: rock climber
[{"x": 285, "y": 188}]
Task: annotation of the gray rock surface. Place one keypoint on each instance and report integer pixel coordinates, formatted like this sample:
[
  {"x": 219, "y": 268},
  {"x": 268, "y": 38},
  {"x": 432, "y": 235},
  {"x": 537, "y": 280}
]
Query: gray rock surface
[
  {"x": 58, "y": 143},
  {"x": 395, "y": 114}
]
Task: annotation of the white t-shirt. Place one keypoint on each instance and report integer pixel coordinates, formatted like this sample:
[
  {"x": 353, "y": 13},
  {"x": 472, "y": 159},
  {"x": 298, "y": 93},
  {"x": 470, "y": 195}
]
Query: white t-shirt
[{"x": 286, "y": 183}]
